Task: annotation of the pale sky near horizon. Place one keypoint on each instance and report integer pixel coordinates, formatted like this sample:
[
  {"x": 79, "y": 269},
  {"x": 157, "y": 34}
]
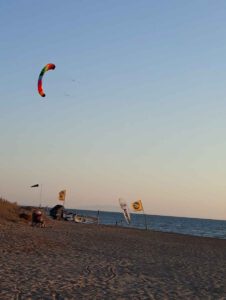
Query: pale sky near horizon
[{"x": 135, "y": 107}]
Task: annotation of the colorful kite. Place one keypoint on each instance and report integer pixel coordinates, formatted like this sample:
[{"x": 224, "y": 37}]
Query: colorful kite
[{"x": 45, "y": 69}]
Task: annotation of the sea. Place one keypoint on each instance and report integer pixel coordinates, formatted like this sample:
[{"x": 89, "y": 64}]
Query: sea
[{"x": 188, "y": 226}]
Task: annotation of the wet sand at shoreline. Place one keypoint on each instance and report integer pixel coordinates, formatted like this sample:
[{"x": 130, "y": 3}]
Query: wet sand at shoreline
[{"x": 78, "y": 261}]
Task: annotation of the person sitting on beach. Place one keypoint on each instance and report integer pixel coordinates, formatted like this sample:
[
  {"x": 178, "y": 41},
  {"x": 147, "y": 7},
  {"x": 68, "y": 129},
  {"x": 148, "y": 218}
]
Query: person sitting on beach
[{"x": 37, "y": 218}]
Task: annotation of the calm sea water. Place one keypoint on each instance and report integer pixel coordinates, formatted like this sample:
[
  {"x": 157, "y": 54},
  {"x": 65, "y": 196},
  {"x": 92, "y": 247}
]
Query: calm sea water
[{"x": 191, "y": 226}]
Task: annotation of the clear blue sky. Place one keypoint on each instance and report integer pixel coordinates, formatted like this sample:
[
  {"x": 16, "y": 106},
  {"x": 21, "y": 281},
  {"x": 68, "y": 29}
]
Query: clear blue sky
[{"x": 135, "y": 107}]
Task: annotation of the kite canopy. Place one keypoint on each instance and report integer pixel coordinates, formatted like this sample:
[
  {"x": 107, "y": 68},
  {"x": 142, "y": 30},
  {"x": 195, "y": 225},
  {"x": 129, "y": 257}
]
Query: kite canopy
[{"x": 45, "y": 69}]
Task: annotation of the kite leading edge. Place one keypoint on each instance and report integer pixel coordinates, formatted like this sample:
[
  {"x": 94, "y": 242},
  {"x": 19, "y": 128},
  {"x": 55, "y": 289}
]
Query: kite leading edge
[{"x": 45, "y": 69}]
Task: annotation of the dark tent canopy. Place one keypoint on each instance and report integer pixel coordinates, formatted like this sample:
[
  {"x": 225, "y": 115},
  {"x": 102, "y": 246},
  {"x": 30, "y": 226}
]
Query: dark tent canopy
[{"x": 57, "y": 212}]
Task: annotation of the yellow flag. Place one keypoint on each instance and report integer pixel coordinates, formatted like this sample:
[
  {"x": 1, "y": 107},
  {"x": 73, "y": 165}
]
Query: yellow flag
[
  {"x": 62, "y": 195},
  {"x": 137, "y": 205}
]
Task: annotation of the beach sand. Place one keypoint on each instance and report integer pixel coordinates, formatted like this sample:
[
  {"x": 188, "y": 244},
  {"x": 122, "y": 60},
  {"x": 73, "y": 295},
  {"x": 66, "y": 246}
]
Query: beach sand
[{"x": 77, "y": 261}]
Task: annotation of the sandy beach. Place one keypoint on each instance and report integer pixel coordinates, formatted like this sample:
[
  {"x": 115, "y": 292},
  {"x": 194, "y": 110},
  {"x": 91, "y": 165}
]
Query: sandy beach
[{"x": 76, "y": 261}]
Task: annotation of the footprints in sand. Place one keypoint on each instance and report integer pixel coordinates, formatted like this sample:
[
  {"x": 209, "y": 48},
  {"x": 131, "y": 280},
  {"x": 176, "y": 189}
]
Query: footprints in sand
[
  {"x": 88, "y": 270},
  {"x": 113, "y": 274},
  {"x": 100, "y": 272}
]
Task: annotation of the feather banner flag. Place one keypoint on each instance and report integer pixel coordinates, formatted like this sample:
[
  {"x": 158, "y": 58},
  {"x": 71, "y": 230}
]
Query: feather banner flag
[
  {"x": 125, "y": 209},
  {"x": 62, "y": 195},
  {"x": 137, "y": 205},
  {"x": 35, "y": 185}
]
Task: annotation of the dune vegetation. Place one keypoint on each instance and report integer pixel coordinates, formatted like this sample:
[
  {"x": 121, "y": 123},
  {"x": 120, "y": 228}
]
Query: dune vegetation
[
  {"x": 12, "y": 212},
  {"x": 8, "y": 211}
]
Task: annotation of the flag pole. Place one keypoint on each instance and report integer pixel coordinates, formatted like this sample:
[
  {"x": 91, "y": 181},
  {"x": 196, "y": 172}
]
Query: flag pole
[
  {"x": 138, "y": 206},
  {"x": 98, "y": 217},
  {"x": 145, "y": 220},
  {"x": 145, "y": 217},
  {"x": 64, "y": 199},
  {"x": 40, "y": 196}
]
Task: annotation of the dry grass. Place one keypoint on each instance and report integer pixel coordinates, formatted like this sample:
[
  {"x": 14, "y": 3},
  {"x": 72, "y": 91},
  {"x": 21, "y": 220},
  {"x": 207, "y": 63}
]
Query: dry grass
[
  {"x": 11, "y": 212},
  {"x": 8, "y": 211}
]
